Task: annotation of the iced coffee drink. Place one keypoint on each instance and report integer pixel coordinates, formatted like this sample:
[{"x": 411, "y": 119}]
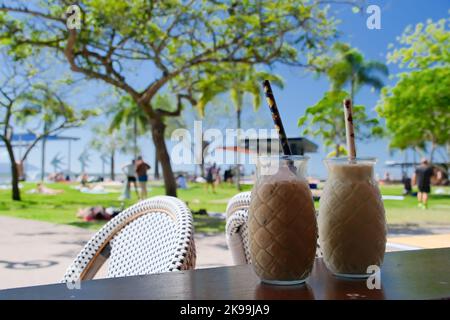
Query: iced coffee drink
[
  {"x": 352, "y": 223},
  {"x": 282, "y": 223}
]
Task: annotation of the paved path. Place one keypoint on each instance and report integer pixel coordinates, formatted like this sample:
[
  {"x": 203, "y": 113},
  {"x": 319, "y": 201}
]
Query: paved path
[{"x": 35, "y": 252}]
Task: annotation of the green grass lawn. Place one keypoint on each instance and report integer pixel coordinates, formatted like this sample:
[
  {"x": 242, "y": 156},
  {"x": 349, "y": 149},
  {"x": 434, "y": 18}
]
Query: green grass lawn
[{"x": 62, "y": 208}]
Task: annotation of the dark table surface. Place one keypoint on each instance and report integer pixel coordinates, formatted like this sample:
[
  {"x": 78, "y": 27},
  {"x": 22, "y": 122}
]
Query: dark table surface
[{"x": 420, "y": 274}]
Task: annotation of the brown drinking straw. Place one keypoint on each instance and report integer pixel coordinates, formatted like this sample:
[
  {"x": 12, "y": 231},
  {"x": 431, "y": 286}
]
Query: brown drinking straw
[
  {"x": 349, "y": 130},
  {"x": 276, "y": 117}
]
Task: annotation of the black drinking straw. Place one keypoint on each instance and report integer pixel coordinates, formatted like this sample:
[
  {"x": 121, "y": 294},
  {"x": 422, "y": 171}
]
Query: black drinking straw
[
  {"x": 276, "y": 117},
  {"x": 349, "y": 130}
]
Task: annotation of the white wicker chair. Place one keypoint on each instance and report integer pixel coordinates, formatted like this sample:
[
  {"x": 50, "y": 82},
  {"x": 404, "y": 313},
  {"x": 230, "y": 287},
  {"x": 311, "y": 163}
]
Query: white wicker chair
[
  {"x": 236, "y": 229},
  {"x": 155, "y": 235}
]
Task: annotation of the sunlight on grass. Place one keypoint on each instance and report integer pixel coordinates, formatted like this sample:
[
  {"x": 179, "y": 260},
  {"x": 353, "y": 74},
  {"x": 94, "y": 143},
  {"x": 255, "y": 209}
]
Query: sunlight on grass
[{"x": 63, "y": 208}]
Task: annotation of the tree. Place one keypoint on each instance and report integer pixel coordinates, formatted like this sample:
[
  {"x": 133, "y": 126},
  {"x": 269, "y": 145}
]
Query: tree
[
  {"x": 349, "y": 67},
  {"x": 177, "y": 38},
  {"x": 423, "y": 46},
  {"x": 127, "y": 113},
  {"x": 109, "y": 143},
  {"x": 326, "y": 119},
  {"x": 36, "y": 108},
  {"x": 416, "y": 108}
]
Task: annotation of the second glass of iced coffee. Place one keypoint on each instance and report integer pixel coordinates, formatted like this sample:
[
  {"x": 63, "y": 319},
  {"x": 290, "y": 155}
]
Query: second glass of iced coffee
[{"x": 352, "y": 223}]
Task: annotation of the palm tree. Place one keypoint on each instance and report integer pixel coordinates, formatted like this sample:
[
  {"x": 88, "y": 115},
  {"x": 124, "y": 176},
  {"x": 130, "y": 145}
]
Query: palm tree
[
  {"x": 349, "y": 67},
  {"x": 248, "y": 83},
  {"x": 239, "y": 81},
  {"x": 110, "y": 143},
  {"x": 127, "y": 113},
  {"x": 57, "y": 162}
]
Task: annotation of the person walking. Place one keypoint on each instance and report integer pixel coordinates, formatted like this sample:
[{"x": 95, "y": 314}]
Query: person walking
[
  {"x": 217, "y": 178},
  {"x": 141, "y": 171},
  {"x": 130, "y": 172},
  {"x": 422, "y": 177},
  {"x": 210, "y": 174}
]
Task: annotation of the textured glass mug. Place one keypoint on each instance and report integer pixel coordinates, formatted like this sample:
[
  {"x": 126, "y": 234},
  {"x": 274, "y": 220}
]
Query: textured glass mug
[
  {"x": 282, "y": 222},
  {"x": 352, "y": 222}
]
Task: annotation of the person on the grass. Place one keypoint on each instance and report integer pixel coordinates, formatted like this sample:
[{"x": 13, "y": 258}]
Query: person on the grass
[
  {"x": 422, "y": 178},
  {"x": 181, "y": 182},
  {"x": 210, "y": 175},
  {"x": 130, "y": 172},
  {"x": 141, "y": 171},
  {"x": 41, "y": 189}
]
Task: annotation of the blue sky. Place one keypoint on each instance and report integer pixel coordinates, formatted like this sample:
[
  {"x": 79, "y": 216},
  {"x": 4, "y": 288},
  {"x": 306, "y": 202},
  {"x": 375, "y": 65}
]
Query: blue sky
[{"x": 301, "y": 90}]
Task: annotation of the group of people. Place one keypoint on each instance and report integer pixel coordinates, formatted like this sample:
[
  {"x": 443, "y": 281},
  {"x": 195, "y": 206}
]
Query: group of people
[
  {"x": 213, "y": 177},
  {"x": 136, "y": 172}
]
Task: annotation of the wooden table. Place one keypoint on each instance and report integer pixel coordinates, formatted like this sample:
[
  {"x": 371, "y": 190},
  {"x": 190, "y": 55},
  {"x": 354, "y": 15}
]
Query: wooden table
[{"x": 421, "y": 274}]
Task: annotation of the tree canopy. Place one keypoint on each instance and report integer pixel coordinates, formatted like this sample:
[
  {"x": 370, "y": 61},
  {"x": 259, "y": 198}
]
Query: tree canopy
[
  {"x": 173, "y": 44},
  {"x": 326, "y": 119},
  {"x": 29, "y": 104},
  {"x": 416, "y": 107},
  {"x": 348, "y": 66},
  {"x": 423, "y": 46}
]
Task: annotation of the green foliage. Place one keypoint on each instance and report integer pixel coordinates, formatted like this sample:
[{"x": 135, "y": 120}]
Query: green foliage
[
  {"x": 174, "y": 43},
  {"x": 326, "y": 119},
  {"x": 43, "y": 103},
  {"x": 417, "y": 108},
  {"x": 239, "y": 81},
  {"x": 109, "y": 142},
  {"x": 125, "y": 112},
  {"x": 423, "y": 46},
  {"x": 348, "y": 66},
  {"x": 182, "y": 39}
]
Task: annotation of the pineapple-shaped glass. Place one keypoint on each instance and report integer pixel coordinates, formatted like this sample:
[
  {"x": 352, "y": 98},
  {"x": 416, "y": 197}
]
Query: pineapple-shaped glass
[{"x": 282, "y": 223}]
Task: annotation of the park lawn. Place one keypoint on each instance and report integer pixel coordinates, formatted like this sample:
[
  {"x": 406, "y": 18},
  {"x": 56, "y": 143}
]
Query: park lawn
[
  {"x": 62, "y": 208},
  {"x": 406, "y": 211}
]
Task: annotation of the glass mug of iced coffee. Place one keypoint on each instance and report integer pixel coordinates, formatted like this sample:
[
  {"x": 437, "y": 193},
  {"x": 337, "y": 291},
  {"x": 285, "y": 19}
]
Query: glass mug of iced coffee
[
  {"x": 352, "y": 223},
  {"x": 282, "y": 222}
]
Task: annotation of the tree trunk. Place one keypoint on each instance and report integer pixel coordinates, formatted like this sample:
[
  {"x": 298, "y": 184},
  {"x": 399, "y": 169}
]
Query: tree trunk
[
  {"x": 44, "y": 141},
  {"x": 113, "y": 175},
  {"x": 156, "y": 166},
  {"x": 338, "y": 150},
  {"x": 135, "y": 133},
  {"x": 158, "y": 127},
  {"x": 433, "y": 149},
  {"x": 352, "y": 89},
  {"x": 14, "y": 172},
  {"x": 202, "y": 160},
  {"x": 202, "y": 169},
  {"x": 238, "y": 170}
]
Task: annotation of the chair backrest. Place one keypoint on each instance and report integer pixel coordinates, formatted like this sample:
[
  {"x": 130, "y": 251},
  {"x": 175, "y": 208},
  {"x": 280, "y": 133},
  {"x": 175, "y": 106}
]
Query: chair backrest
[
  {"x": 155, "y": 235},
  {"x": 236, "y": 228}
]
